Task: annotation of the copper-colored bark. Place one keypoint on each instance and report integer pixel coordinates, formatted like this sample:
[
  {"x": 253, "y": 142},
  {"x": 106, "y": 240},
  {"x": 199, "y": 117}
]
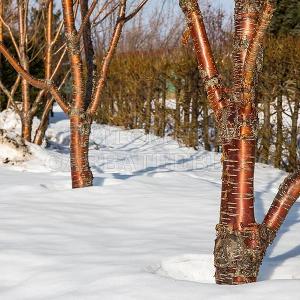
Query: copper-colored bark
[
  {"x": 206, "y": 63},
  {"x": 241, "y": 242},
  {"x": 26, "y": 115},
  {"x": 38, "y": 138},
  {"x": 1, "y": 36},
  {"x": 101, "y": 78},
  {"x": 88, "y": 52},
  {"x": 48, "y": 52},
  {"x": 288, "y": 193},
  {"x": 74, "y": 55},
  {"x": 80, "y": 122},
  {"x": 255, "y": 46},
  {"x": 246, "y": 14},
  {"x": 237, "y": 199}
]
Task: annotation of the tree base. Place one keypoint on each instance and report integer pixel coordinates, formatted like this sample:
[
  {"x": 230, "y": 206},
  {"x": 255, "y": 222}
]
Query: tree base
[{"x": 239, "y": 254}]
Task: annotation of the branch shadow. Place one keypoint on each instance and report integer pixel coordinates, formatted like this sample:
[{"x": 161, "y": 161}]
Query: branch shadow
[{"x": 151, "y": 170}]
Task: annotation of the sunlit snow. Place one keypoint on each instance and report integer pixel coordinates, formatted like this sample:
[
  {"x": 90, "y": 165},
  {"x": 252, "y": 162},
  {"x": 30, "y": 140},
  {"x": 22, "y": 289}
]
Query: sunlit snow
[{"x": 145, "y": 231}]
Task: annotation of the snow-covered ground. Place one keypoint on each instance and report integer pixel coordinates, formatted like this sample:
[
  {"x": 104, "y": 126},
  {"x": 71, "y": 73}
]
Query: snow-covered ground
[{"x": 145, "y": 231}]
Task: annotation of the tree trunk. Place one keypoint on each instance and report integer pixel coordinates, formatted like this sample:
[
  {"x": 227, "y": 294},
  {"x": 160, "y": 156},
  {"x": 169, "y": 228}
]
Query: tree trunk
[
  {"x": 266, "y": 133},
  {"x": 194, "y": 138},
  {"x": 292, "y": 159},
  {"x": 80, "y": 121},
  {"x": 41, "y": 130},
  {"x": 26, "y": 119},
  {"x": 177, "y": 117},
  {"x": 80, "y": 126},
  {"x": 241, "y": 242},
  {"x": 148, "y": 110},
  {"x": 26, "y": 127},
  {"x": 205, "y": 125},
  {"x": 89, "y": 53},
  {"x": 186, "y": 114},
  {"x": 1, "y": 41},
  {"x": 239, "y": 251},
  {"x": 237, "y": 230},
  {"x": 163, "y": 110},
  {"x": 40, "y": 133},
  {"x": 157, "y": 113},
  {"x": 279, "y": 133}
]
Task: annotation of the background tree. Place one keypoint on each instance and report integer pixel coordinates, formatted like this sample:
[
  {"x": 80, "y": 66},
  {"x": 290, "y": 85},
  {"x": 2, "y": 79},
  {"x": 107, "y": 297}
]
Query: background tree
[
  {"x": 85, "y": 102},
  {"x": 25, "y": 39}
]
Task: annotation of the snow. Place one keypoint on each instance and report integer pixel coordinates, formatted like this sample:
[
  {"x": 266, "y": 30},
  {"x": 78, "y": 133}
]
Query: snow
[
  {"x": 10, "y": 120},
  {"x": 145, "y": 231},
  {"x": 13, "y": 148}
]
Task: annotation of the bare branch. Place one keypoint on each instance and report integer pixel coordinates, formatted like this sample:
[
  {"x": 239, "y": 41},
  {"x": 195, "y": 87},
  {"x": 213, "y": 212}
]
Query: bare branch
[
  {"x": 288, "y": 193},
  {"x": 59, "y": 63},
  {"x": 37, "y": 54},
  {"x": 60, "y": 26},
  {"x": 254, "y": 47},
  {"x": 102, "y": 10},
  {"x": 88, "y": 50},
  {"x": 38, "y": 83},
  {"x": 206, "y": 63},
  {"x": 86, "y": 17},
  {"x": 106, "y": 15},
  {"x": 14, "y": 89},
  {"x": 62, "y": 47},
  {"x": 136, "y": 10},
  {"x": 10, "y": 97},
  {"x": 15, "y": 86},
  {"x": 11, "y": 36},
  {"x": 75, "y": 59},
  {"x": 107, "y": 59}
]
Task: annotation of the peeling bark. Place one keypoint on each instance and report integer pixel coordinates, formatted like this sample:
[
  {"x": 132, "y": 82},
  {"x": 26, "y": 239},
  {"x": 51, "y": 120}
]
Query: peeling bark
[
  {"x": 80, "y": 126},
  {"x": 239, "y": 254},
  {"x": 241, "y": 242}
]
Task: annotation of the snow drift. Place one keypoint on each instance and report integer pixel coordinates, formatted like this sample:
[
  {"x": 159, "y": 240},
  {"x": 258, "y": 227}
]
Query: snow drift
[
  {"x": 13, "y": 148},
  {"x": 145, "y": 231}
]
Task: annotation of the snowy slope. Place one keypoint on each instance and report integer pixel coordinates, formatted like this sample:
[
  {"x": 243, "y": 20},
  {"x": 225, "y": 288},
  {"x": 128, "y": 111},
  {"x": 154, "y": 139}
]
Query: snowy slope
[{"x": 144, "y": 231}]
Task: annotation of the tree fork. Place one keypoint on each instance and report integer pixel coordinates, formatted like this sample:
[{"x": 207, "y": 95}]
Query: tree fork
[
  {"x": 239, "y": 253},
  {"x": 41, "y": 130},
  {"x": 241, "y": 242}
]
